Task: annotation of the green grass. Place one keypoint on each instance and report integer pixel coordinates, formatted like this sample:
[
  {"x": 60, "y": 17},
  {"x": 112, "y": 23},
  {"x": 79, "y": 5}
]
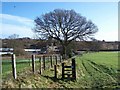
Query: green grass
[
  {"x": 7, "y": 66},
  {"x": 109, "y": 59},
  {"x": 94, "y": 70},
  {"x": 98, "y": 69},
  {"x": 20, "y": 65}
]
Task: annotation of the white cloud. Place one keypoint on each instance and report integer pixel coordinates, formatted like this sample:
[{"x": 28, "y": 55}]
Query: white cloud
[
  {"x": 23, "y": 31},
  {"x": 17, "y": 19},
  {"x": 16, "y": 25}
]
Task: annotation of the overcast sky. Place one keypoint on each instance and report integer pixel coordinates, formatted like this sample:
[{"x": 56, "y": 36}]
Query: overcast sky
[{"x": 18, "y": 17}]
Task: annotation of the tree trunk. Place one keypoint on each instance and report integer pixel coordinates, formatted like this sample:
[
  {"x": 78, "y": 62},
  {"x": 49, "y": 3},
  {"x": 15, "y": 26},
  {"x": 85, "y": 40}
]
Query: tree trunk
[{"x": 65, "y": 51}]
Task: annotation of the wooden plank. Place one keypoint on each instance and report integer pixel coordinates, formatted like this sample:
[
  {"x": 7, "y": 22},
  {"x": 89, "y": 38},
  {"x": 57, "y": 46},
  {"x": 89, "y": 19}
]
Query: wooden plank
[
  {"x": 67, "y": 66},
  {"x": 14, "y": 66},
  {"x": 67, "y": 70},
  {"x": 67, "y": 74},
  {"x": 46, "y": 55}
]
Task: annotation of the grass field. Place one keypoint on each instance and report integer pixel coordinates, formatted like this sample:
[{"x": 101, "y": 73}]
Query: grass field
[
  {"x": 7, "y": 66},
  {"x": 98, "y": 69},
  {"x": 94, "y": 70},
  {"x": 20, "y": 65}
]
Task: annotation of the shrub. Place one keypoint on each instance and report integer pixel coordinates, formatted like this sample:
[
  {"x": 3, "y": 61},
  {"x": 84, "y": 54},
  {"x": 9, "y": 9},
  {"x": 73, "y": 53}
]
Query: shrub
[{"x": 19, "y": 51}]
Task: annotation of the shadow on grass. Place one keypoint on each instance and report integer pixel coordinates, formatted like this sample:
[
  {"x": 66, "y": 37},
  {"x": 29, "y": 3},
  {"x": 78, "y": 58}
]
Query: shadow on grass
[
  {"x": 59, "y": 79},
  {"x": 62, "y": 82}
]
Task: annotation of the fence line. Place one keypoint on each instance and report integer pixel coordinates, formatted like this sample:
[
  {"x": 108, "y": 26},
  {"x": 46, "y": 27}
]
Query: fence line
[{"x": 44, "y": 60}]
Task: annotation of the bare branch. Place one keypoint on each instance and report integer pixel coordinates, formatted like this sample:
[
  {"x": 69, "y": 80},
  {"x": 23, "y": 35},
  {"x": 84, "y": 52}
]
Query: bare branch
[{"x": 64, "y": 26}]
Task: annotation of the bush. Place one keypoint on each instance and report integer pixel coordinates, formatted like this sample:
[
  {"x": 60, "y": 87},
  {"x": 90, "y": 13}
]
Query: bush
[
  {"x": 19, "y": 51},
  {"x": 6, "y": 55}
]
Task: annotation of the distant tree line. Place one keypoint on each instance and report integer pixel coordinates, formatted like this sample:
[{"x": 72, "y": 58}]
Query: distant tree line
[{"x": 19, "y": 44}]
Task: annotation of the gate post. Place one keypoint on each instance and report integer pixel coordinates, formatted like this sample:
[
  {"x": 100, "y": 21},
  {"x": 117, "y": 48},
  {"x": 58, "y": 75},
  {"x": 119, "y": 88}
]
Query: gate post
[
  {"x": 73, "y": 69},
  {"x": 62, "y": 70},
  {"x": 39, "y": 59}
]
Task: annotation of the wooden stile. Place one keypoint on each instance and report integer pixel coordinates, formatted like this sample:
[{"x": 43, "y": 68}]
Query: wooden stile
[{"x": 67, "y": 69}]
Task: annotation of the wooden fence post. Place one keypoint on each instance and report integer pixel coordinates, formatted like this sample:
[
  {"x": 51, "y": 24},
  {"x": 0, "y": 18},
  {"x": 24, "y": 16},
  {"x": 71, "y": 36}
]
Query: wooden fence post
[
  {"x": 33, "y": 63},
  {"x": 40, "y": 60},
  {"x": 29, "y": 63},
  {"x": 48, "y": 58},
  {"x": 60, "y": 58},
  {"x": 73, "y": 68},
  {"x": 62, "y": 70},
  {"x": 44, "y": 62},
  {"x": 55, "y": 69},
  {"x": 14, "y": 66},
  {"x": 51, "y": 61},
  {"x": 56, "y": 59}
]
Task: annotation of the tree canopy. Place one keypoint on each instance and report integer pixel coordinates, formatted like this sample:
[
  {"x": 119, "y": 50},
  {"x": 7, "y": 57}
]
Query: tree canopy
[{"x": 64, "y": 26}]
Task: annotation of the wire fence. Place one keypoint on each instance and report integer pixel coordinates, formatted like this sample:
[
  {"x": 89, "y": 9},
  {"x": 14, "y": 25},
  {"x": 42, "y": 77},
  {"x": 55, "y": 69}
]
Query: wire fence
[{"x": 14, "y": 64}]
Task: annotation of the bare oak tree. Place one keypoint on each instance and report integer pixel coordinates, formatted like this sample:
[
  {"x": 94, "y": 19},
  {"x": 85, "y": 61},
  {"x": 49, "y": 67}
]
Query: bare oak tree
[{"x": 64, "y": 26}]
